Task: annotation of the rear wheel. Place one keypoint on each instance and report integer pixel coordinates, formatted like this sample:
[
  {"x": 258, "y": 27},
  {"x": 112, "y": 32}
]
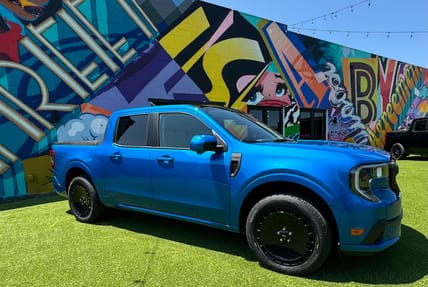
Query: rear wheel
[
  {"x": 288, "y": 234},
  {"x": 397, "y": 151},
  {"x": 84, "y": 201}
]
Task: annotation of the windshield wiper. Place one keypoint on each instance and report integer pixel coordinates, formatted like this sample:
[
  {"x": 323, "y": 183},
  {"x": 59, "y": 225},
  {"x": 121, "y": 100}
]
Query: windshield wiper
[
  {"x": 266, "y": 140},
  {"x": 256, "y": 141}
]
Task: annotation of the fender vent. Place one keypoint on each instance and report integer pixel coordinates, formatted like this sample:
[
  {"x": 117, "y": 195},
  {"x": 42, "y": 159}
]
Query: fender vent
[{"x": 235, "y": 164}]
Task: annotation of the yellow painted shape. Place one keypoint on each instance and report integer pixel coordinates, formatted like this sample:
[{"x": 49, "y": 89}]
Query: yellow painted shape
[
  {"x": 38, "y": 174},
  {"x": 185, "y": 33}
]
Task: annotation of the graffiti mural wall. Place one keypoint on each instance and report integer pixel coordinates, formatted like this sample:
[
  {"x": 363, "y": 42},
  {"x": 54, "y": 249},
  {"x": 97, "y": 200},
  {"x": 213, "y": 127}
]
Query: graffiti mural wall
[{"x": 66, "y": 65}]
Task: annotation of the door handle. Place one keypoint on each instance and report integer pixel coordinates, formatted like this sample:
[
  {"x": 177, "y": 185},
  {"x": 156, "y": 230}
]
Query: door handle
[
  {"x": 116, "y": 156},
  {"x": 164, "y": 159}
]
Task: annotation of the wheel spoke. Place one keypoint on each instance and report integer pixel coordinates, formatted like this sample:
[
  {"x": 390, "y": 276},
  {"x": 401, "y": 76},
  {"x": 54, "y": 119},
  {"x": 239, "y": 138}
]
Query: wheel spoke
[
  {"x": 81, "y": 200},
  {"x": 285, "y": 237}
]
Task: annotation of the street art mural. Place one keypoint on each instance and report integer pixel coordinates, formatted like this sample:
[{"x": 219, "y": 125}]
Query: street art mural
[{"x": 65, "y": 66}]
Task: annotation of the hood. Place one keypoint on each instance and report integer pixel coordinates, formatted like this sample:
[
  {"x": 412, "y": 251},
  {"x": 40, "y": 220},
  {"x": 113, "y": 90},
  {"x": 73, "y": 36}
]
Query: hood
[{"x": 331, "y": 150}]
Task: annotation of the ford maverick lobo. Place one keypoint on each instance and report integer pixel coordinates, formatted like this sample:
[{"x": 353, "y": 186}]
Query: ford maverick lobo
[{"x": 294, "y": 201}]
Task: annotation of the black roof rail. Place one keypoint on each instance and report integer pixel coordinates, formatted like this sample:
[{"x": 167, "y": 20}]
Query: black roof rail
[{"x": 161, "y": 102}]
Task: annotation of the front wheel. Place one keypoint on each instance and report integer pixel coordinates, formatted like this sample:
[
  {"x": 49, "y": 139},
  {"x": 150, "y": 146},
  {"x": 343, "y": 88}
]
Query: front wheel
[
  {"x": 84, "y": 201},
  {"x": 288, "y": 234}
]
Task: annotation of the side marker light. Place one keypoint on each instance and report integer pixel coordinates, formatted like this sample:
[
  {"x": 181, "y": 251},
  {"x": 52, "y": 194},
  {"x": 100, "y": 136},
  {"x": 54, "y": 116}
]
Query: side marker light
[{"x": 357, "y": 231}]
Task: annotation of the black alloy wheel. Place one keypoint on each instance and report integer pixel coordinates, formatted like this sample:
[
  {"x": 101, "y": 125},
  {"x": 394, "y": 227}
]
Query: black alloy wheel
[
  {"x": 84, "y": 201},
  {"x": 288, "y": 234}
]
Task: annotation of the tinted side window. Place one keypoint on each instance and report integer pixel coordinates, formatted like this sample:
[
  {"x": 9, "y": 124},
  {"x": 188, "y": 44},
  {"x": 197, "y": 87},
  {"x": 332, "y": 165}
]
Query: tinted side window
[
  {"x": 420, "y": 125},
  {"x": 132, "y": 131},
  {"x": 176, "y": 130}
]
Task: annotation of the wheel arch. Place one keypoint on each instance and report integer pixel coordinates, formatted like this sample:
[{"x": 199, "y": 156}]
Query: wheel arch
[
  {"x": 75, "y": 172},
  {"x": 292, "y": 188}
]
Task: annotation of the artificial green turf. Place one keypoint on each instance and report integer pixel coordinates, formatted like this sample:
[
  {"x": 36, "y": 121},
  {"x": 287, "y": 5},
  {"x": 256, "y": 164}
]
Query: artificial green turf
[{"x": 41, "y": 244}]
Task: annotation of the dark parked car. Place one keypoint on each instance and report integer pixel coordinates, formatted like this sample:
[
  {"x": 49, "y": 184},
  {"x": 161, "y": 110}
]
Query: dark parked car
[{"x": 413, "y": 140}]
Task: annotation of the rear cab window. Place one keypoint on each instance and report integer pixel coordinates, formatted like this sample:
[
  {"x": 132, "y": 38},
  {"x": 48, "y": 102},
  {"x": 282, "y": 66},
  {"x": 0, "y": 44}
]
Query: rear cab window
[{"x": 132, "y": 130}]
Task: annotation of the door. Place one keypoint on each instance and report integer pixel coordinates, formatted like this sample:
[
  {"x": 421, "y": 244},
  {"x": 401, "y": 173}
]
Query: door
[
  {"x": 127, "y": 174},
  {"x": 313, "y": 124},
  {"x": 184, "y": 182}
]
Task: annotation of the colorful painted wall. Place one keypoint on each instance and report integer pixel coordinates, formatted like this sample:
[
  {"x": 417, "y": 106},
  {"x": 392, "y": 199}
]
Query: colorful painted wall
[{"x": 66, "y": 65}]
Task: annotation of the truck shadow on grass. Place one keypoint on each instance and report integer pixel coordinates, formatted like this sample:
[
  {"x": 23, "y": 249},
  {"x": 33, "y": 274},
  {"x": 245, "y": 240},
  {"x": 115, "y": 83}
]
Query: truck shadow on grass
[
  {"x": 27, "y": 201},
  {"x": 180, "y": 231},
  {"x": 402, "y": 264}
]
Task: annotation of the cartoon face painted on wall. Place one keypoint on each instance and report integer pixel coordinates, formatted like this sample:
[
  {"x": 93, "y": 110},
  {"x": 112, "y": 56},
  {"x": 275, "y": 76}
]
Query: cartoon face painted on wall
[{"x": 271, "y": 91}]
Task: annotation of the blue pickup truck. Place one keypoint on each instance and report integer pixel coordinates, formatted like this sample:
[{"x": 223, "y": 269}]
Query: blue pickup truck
[{"x": 295, "y": 201}]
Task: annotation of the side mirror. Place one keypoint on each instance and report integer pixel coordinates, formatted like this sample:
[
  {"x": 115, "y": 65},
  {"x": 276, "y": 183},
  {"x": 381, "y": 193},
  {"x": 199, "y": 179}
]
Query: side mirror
[{"x": 203, "y": 143}]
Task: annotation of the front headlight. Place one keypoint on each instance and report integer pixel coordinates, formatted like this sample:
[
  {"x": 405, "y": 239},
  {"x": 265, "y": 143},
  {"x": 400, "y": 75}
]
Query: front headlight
[{"x": 364, "y": 178}]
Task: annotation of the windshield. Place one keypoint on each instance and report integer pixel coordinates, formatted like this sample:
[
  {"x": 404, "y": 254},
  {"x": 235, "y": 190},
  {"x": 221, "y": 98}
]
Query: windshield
[{"x": 243, "y": 126}]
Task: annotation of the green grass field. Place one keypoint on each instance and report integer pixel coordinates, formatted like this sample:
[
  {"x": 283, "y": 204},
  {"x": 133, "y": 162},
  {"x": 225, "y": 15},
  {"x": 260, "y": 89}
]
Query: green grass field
[{"x": 41, "y": 244}]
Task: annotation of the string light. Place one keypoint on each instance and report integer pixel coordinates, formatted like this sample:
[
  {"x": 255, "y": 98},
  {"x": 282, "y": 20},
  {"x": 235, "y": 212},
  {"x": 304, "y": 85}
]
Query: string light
[
  {"x": 366, "y": 33},
  {"x": 333, "y": 15}
]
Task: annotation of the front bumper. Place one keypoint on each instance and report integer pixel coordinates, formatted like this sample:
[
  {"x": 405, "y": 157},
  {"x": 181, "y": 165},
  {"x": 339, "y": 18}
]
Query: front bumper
[
  {"x": 383, "y": 235},
  {"x": 379, "y": 224}
]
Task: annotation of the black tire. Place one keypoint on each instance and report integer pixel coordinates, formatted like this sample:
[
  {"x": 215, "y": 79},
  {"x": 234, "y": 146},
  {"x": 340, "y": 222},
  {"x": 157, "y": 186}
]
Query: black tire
[
  {"x": 84, "y": 201},
  {"x": 288, "y": 234},
  {"x": 397, "y": 151}
]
